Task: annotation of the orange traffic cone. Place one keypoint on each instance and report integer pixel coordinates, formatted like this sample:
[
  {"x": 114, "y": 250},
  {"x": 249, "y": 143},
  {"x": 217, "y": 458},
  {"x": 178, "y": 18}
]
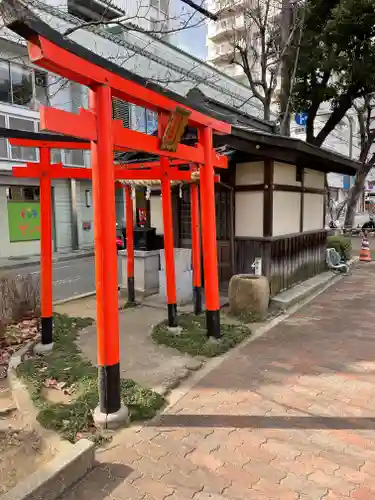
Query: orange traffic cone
[{"x": 365, "y": 253}]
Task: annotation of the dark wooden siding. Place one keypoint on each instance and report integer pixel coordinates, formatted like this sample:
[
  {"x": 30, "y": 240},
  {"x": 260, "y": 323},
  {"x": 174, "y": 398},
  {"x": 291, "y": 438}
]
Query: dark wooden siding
[{"x": 286, "y": 260}]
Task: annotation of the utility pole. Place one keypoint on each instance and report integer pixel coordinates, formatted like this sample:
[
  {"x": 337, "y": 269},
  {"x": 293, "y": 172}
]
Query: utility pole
[{"x": 286, "y": 67}]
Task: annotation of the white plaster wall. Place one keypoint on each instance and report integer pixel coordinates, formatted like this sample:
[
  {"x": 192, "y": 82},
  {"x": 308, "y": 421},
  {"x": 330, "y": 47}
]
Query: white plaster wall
[
  {"x": 285, "y": 173},
  {"x": 286, "y": 212},
  {"x": 8, "y": 249},
  {"x": 313, "y": 212},
  {"x": 156, "y": 214},
  {"x": 249, "y": 214},
  {"x": 249, "y": 173},
  {"x": 314, "y": 179}
]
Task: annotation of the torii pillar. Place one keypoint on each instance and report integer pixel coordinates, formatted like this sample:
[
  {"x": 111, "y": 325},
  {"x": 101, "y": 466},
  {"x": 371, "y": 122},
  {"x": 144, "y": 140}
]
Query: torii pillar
[
  {"x": 110, "y": 411},
  {"x": 210, "y": 261},
  {"x": 46, "y": 344}
]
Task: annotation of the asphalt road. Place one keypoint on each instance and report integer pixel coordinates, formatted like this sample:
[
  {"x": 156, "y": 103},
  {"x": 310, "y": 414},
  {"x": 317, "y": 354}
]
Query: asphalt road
[{"x": 70, "y": 278}]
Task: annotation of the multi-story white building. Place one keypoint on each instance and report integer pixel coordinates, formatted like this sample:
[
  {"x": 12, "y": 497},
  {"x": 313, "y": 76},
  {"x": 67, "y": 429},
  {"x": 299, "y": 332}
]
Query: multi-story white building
[
  {"x": 23, "y": 88},
  {"x": 222, "y": 33}
]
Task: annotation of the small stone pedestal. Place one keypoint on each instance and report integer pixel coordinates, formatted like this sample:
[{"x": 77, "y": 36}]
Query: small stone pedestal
[
  {"x": 184, "y": 275},
  {"x": 146, "y": 271},
  {"x": 111, "y": 420},
  {"x": 43, "y": 348},
  {"x": 249, "y": 294}
]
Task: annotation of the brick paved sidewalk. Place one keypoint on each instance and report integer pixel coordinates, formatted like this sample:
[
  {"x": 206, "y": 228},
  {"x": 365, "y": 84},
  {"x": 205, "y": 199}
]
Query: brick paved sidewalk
[{"x": 290, "y": 415}]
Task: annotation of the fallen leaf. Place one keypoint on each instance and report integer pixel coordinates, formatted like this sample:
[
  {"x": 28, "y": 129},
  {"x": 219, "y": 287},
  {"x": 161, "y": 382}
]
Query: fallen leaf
[{"x": 50, "y": 383}]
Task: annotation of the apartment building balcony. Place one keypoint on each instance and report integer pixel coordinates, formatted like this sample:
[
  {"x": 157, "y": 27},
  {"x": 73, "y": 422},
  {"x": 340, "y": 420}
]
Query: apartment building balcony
[
  {"x": 225, "y": 27},
  {"x": 227, "y": 5},
  {"x": 234, "y": 71},
  {"x": 220, "y": 52}
]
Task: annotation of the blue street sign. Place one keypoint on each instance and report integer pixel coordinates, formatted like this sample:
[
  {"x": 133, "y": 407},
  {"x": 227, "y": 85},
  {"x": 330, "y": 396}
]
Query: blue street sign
[{"x": 301, "y": 119}]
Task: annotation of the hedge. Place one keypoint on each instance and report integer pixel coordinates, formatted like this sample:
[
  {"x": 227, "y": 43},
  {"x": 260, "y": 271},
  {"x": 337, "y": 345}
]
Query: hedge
[{"x": 342, "y": 245}]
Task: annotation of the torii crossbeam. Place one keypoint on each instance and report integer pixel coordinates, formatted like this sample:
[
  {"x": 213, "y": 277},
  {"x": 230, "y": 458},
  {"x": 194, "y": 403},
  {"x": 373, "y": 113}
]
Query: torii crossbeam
[{"x": 48, "y": 49}]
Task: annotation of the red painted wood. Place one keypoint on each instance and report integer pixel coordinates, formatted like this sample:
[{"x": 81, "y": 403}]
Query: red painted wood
[
  {"x": 195, "y": 235},
  {"x": 45, "y": 237},
  {"x": 48, "y": 55},
  {"x": 211, "y": 278},
  {"x": 82, "y": 125}
]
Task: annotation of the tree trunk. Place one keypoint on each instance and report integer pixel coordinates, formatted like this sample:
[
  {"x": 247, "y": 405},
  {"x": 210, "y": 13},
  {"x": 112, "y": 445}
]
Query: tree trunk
[
  {"x": 354, "y": 195},
  {"x": 266, "y": 111}
]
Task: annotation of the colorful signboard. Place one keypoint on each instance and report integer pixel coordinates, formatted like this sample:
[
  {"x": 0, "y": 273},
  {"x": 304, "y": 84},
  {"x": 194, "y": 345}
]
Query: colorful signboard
[{"x": 24, "y": 220}]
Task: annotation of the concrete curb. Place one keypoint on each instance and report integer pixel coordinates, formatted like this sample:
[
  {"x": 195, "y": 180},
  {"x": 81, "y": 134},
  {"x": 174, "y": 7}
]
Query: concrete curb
[
  {"x": 285, "y": 300},
  {"x": 51, "y": 480},
  {"x": 36, "y": 261},
  {"x": 73, "y": 298},
  {"x": 71, "y": 462}
]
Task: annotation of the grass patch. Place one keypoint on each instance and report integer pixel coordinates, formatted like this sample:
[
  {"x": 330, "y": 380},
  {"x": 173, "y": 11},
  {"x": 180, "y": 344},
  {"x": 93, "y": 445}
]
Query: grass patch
[
  {"x": 193, "y": 340},
  {"x": 65, "y": 364},
  {"x": 252, "y": 317}
]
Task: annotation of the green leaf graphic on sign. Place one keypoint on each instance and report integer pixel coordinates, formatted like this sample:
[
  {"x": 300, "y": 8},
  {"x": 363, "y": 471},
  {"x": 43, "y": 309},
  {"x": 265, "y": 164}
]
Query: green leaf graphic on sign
[{"x": 24, "y": 220}]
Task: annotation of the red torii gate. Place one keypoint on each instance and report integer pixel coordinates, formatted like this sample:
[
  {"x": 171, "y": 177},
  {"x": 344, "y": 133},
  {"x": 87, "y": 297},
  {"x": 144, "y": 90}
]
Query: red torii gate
[
  {"x": 45, "y": 171},
  {"x": 196, "y": 252},
  {"x": 51, "y": 51}
]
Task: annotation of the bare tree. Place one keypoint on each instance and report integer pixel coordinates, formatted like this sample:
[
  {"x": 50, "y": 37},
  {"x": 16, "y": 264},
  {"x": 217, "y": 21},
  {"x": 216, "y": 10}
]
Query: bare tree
[
  {"x": 266, "y": 48},
  {"x": 335, "y": 208}
]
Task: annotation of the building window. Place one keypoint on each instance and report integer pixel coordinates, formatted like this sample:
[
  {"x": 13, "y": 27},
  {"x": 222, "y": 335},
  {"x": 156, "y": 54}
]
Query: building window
[
  {"x": 3, "y": 141},
  {"x": 21, "y": 85},
  {"x": 23, "y": 193},
  {"x": 145, "y": 120},
  {"x": 41, "y": 87},
  {"x": 71, "y": 157},
  {"x": 74, "y": 157},
  {"x": 20, "y": 152},
  {"x": 56, "y": 156},
  {"x": 5, "y": 91},
  {"x": 151, "y": 121}
]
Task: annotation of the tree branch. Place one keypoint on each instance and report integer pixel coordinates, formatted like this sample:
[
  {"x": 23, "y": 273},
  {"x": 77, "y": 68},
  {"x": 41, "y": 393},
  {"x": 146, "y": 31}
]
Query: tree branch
[{"x": 344, "y": 104}]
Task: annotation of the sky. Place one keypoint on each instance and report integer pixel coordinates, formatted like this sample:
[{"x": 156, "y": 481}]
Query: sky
[{"x": 191, "y": 40}]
